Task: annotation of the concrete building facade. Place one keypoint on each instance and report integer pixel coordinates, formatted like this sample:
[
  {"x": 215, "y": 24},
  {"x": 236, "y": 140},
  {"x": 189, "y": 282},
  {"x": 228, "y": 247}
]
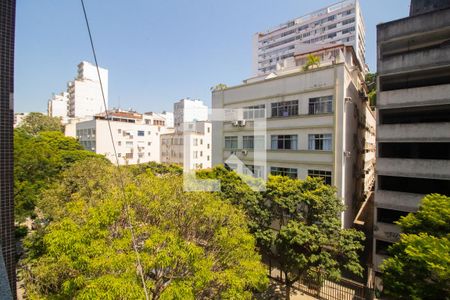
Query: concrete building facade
[
  {"x": 318, "y": 124},
  {"x": 85, "y": 94},
  {"x": 58, "y": 106},
  {"x": 7, "y": 239},
  {"x": 338, "y": 23},
  {"x": 136, "y": 136},
  {"x": 413, "y": 117}
]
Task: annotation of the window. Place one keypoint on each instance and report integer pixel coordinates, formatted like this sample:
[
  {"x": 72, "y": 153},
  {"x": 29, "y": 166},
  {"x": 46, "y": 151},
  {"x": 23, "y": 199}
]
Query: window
[
  {"x": 331, "y": 26},
  {"x": 319, "y": 142},
  {"x": 287, "y": 142},
  {"x": 140, "y": 155},
  {"x": 385, "y": 215},
  {"x": 149, "y": 154},
  {"x": 201, "y": 153},
  {"x": 207, "y": 158},
  {"x": 119, "y": 154},
  {"x": 149, "y": 143},
  {"x": 141, "y": 133},
  {"x": 209, "y": 129},
  {"x": 289, "y": 172},
  {"x": 326, "y": 175},
  {"x": 201, "y": 141},
  {"x": 195, "y": 154},
  {"x": 231, "y": 142},
  {"x": 129, "y": 144},
  {"x": 285, "y": 109},
  {"x": 248, "y": 142},
  {"x": 119, "y": 130},
  {"x": 119, "y": 143},
  {"x": 320, "y": 105},
  {"x": 254, "y": 112},
  {"x": 195, "y": 142},
  {"x": 149, "y": 132},
  {"x": 207, "y": 146}
]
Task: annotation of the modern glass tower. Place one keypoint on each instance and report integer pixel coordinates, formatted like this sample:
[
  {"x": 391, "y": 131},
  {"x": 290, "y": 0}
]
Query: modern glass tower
[{"x": 7, "y": 28}]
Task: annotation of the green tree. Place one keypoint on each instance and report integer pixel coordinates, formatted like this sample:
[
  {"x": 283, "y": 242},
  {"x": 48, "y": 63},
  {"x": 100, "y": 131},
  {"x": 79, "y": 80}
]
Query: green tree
[
  {"x": 419, "y": 264},
  {"x": 38, "y": 160},
  {"x": 219, "y": 87},
  {"x": 36, "y": 122},
  {"x": 191, "y": 245},
  {"x": 312, "y": 61}
]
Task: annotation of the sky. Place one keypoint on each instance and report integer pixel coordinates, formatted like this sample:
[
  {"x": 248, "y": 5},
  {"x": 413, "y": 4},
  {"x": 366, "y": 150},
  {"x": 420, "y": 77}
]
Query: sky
[{"x": 156, "y": 51}]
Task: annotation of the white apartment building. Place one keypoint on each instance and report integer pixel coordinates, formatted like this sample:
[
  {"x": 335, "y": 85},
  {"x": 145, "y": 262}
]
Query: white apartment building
[
  {"x": 136, "y": 136},
  {"x": 413, "y": 117},
  {"x": 195, "y": 138},
  {"x": 318, "y": 124},
  {"x": 58, "y": 106},
  {"x": 187, "y": 110},
  {"x": 169, "y": 116},
  {"x": 85, "y": 95},
  {"x": 339, "y": 23}
]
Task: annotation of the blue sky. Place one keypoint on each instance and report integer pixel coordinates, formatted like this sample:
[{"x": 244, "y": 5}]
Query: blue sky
[{"x": 157, "y": 51}]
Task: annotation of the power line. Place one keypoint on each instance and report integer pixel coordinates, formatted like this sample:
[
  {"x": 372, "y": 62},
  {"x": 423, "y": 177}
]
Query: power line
[{"x": 122, "y": 185}]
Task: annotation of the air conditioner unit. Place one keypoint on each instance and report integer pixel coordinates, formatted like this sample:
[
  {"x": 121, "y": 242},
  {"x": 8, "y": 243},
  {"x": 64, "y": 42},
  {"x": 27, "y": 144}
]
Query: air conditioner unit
[
  {"x": 245, "y": 152},
  {"x": 241, "y": 123},
  {"x": 347, "y": 153},
  {"x": 232, "y": 152},
  {"x": 235, "y": 123}
]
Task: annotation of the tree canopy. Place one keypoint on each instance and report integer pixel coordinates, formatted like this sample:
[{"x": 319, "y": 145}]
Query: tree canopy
[
  {"x": 419, "y": 264},
  {"x": 36, "y": 122},
  {"x": 192, "y": 245}
]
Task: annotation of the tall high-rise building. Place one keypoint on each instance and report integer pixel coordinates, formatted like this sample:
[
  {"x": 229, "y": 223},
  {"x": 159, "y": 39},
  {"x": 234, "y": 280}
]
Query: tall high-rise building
[
  {"x": 7, "y": 27},
  {"x": 339, "y": 23},
  {"x": 413, "y": 116},
  {"x": 85, "y": 95}
]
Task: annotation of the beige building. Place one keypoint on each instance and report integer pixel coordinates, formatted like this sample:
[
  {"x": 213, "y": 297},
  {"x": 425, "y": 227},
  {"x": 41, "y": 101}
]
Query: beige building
[
  {"x": 136, "y": 136},
  {"x": 318, "y": 124},
  {"x": 413, "y": 108}
]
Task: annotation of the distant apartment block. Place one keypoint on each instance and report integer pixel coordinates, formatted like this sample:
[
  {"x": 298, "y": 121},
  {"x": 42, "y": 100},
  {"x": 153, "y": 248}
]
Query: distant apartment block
[
  {"x": 85, "y": 95},
  {"x": 195, "y": 138},
  {"x": 136, "y": 136},
  {"x": 413, "y": 116},
  {"x": 58, "y": 106},
  {"x": 318, "y": 122},
  {"x": 189, "y": 142},
  {"x": 338, "y": 23},
  {"x": 18, "y": 118}
]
